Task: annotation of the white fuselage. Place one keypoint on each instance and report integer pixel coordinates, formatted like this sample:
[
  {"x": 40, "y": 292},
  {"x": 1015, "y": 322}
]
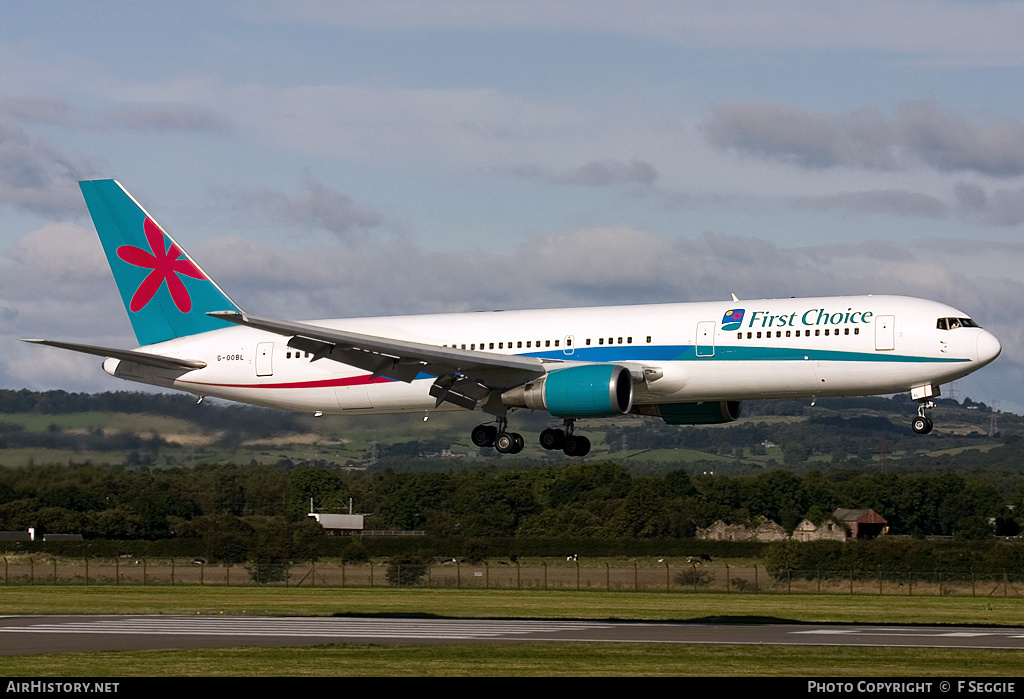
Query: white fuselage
[{"x": 857, "y": 345}]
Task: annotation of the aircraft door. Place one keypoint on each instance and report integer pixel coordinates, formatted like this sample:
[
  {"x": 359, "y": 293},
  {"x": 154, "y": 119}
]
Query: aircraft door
[
  {"x": 885, "y": 333},
  {"x": 264, "y": 359},
  {"x": 568, "y": 345},
  {"x": 706, "y": 338}
]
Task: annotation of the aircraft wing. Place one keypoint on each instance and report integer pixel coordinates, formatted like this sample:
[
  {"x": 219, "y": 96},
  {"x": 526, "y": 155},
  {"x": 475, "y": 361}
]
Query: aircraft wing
[
  {"x": 464, "y": 377},
  {"x": 154, "y": 360}
]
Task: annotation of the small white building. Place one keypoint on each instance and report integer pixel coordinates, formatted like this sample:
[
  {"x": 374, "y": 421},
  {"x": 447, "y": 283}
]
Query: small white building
[{"x": 339, "y": 524}]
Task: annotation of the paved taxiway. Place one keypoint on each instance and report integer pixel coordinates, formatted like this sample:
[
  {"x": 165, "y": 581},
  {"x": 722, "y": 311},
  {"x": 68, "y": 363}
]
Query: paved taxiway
[{"x": 21, "y": 635}]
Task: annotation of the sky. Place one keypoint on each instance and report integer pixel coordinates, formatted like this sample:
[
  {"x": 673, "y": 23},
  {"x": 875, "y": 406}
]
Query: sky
[{"x": 333, "y": 159}]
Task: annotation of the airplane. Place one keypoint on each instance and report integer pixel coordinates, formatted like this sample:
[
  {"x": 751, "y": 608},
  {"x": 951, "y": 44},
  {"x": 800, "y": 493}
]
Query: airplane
[{"x": 687, "y": 363}]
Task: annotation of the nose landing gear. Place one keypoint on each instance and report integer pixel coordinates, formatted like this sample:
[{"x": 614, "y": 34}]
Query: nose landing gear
[{"x": 922, "y": 424}]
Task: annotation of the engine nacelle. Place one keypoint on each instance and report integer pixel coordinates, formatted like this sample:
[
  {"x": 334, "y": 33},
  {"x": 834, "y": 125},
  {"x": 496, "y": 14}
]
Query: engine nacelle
[
  {"x": 593, "y": 390},
  {"x": 705, "y": 413}
]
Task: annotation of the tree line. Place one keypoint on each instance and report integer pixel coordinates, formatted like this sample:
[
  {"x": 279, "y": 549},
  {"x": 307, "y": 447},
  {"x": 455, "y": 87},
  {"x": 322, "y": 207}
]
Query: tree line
[{"x": 576, "y": 500}]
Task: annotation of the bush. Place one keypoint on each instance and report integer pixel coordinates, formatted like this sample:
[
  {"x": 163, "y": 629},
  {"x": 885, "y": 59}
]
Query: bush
[
  {"x": 694, "y": 576},
  {"x": 406, "y": 571},
  {"x": 263, "y": 572}
]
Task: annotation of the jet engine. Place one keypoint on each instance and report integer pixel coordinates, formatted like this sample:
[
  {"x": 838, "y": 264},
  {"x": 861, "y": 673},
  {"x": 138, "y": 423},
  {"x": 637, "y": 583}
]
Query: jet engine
[{"x": 592, "y": 390}]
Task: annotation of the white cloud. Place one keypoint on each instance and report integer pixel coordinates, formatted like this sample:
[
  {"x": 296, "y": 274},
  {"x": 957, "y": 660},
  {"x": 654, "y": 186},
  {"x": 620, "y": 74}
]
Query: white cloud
[
  {"x": 462, "y": 127},
  {"x": 597, "y": 173},
  {"x": 941, "y": 30},
  {"x": 169, "y": 117},
  {"x": 919, "y": 134},
  {"x": 319, "y": 208},
  {"x": 895, "y": 202},
  {"x": 38, "y": 176}
]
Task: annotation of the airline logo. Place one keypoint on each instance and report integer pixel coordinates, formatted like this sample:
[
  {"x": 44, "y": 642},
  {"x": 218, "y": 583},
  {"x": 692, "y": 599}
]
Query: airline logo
[
  {"x": 732, "y": 320},
  {"x": 166, "y": 267}
]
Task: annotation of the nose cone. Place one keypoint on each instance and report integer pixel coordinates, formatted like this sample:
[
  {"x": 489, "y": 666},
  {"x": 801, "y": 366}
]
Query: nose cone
[{"x": 988, "y": 347}]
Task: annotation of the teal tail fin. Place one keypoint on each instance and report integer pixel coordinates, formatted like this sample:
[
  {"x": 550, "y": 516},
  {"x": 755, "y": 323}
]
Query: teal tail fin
[{"x": 164, "y": 291}]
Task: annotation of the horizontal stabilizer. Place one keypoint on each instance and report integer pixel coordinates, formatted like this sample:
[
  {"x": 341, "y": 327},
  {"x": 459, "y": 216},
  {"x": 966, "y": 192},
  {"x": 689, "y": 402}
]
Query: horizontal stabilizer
[{"x": 155, "y": 360}]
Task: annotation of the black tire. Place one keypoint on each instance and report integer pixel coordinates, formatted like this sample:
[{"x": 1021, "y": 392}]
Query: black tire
[
  {"x": 576, "y": 446},
  {"x": 483, "y": 435},
  {"x": 506, "y": 443},
  {"x": 584, "y": 446},
  {"x": 922, "y": 425},
  {"x": 552, "y": 439}
]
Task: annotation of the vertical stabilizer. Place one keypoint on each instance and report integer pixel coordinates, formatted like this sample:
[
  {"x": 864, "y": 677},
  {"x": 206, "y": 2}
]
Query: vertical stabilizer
[{"x": 165, "y": 292}]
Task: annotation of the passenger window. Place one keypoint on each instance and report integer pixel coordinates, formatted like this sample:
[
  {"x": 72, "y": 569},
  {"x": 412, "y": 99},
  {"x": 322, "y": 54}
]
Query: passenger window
[{"x": 600, "y": 340}]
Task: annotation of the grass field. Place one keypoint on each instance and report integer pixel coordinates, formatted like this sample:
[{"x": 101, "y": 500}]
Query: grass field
[
  {"x": 514, "y": 659},
  {"x": 534, "y": 604},
  {"x": 524, "y": 660}
]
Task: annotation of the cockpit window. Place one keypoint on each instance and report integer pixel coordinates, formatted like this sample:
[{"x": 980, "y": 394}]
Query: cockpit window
[{"x": 954, "y": 323}]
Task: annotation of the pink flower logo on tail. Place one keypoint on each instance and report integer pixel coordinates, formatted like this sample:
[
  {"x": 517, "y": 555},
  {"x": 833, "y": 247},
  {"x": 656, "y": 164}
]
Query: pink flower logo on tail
[{"x": 166, "y": 267}]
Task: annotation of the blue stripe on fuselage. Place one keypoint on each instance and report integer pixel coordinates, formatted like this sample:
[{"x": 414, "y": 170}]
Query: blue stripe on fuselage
[
  {"x": 684, "y": 353},
  {"x": 724, "y": 353}
]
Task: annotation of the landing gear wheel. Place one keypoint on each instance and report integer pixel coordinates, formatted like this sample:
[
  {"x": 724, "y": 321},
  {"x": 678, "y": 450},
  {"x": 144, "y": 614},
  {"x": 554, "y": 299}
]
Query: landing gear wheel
[
  {"x": 484, "y": 435},
  {"x": 552, "y": 439},
  {"x": 576, "y": 446},
  {"x": 922, "y": 424},
  {"x": 520, "y": 442},
  {"x": 509, "y": 443}
]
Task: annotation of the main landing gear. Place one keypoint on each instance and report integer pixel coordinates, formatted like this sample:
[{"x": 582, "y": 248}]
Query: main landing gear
[
  {"x": 922, "y": 424},
  {"x": 565, "y": 439},
  {"x": 498, "y": 437},
  {"x": 506, "y": 442}
]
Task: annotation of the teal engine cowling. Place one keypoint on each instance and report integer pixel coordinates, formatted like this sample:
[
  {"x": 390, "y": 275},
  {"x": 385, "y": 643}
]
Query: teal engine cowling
[
  {"x": 592, "y": 390},
  {"x": 703, "y": 413}
]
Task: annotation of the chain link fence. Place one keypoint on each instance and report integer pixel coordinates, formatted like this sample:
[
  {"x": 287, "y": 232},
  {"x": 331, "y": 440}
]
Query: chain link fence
[{"x": 682, "y": 578}]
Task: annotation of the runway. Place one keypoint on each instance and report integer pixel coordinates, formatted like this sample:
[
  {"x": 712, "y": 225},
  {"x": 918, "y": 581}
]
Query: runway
[{"x": 24, "y": 635}]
